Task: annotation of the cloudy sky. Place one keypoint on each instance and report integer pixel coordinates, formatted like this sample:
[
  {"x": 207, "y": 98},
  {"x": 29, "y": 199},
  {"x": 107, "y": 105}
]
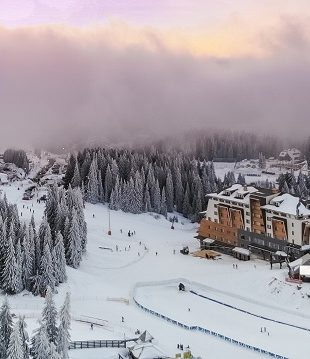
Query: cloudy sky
[{"x": 115, "y": 69}]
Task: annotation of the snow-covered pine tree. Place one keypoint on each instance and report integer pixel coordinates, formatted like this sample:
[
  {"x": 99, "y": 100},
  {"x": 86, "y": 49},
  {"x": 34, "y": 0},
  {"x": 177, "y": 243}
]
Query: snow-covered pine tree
[
  {"x": 74, "y": 249},
  {"x": 108, "y": 184},
  {"x": 179, "y": 191},
  {"x": 47, "y": 271},
  {"x": 147, "y": 199},
  {"x": 27, "y": 261},
  {"x": 6, "y": 326},
  {"x": 169, "y": 192},
  {"x": 63, "y": 338},
  {"x": 92, "y": 185},
  {"x": 76, "y": 179},
  {"x": 24, "y": 336},
  {"x": 70, "y": 170},
  {"x": 49, "y": 316},
  {"x": 100, "y": 188},
  {"x": 156, "y": 198},
  {"x": 59, "y": 259},
  {"x": 53, "y": 354},
  {"x": 9, "y": 274},
  {"x": 51, "y": 209},
  {"x": 19, "y": 268},
  {"x": 15, "y": 347},
  {"x": 40, "y": 348},
  {"x": 186, "y": 202},
  {"x": 163, "y": 203}
]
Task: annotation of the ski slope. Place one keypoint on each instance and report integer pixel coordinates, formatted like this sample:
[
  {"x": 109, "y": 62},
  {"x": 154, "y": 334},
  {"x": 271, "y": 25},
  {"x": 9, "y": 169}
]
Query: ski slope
[{"x": 109, "y": 273}]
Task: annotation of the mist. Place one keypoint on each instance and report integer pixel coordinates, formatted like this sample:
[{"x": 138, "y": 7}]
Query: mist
[{"x": 61, "y": 86}]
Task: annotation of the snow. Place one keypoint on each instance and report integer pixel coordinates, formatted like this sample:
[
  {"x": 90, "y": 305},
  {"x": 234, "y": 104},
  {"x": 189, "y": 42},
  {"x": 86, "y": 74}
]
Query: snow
[
  {"x": 286, "y": 203},
  {"x": 241, "y": 251},
  {"x": 281, "y": 253},
  {"x": 208, "y": 240},
  {"x": 108, "y": 273}
]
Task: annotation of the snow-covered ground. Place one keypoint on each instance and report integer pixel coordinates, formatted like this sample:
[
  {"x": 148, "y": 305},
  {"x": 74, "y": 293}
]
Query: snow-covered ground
[
  {"x": 107, "y": 273},
  {"x": 251, "y": 171}
]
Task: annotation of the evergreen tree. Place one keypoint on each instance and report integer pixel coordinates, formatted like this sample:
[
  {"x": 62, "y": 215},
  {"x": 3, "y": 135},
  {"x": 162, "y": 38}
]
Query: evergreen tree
[
  {"x": 169, "y": 192},
  {"x": 76, "y": 179},
  {"x": 70, "y": 171},
  {"x": 47, "y": 270},
  {"x": 59, "y": 259},
  {"x": 74, "y": 250},
  {"x": 156, "y": 198},
  {"x": 40, "y": 344},
  {"x": 49, "y": 315},
  {"x": 163, "y": 204},
  {"x": 10, "y": 270},
  {"x": 24, "y": 336},
  {"x": 63, "y": 339},
  {"x": 108, "y": 184},
  {"x": 147, "y": 200},
  {"x": 92, "y": 186},
  {"x": 186, "y": 202},
  {"x": 6, "y": 325},
  {"x": 15, "y": 347}
]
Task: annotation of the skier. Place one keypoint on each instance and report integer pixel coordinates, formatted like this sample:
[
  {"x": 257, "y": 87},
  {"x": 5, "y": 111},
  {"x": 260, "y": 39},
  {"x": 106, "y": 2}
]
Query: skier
[
  {"x": 121, "y": 231},
  {"x": 189, "y": 309},
  {"x": 123, "y": 320},
  {"x": 129, "y": 234},
  {"x": 156, "y": 253},
  {"x": 91, "y": 326},
  {"x": 93, "y": 216}
]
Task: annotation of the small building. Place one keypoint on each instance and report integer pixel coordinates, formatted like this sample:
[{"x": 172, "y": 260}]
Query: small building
[
  {"x": 146, "y": 351},
  {"x": 241, "y": 253},
  {"x": 300, "y": 268}
]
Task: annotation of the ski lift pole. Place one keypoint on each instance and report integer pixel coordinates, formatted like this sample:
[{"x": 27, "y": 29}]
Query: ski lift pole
[{"x": 109, "y": 231}]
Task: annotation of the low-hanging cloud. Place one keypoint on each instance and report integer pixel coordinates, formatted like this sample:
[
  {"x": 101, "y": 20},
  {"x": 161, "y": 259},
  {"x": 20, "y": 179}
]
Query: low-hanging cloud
[{"x": 61, "y": 85}]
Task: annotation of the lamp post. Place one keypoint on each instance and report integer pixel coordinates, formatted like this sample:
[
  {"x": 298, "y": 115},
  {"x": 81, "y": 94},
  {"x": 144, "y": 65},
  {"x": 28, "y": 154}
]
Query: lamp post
[{"x": 109, "y": 231}]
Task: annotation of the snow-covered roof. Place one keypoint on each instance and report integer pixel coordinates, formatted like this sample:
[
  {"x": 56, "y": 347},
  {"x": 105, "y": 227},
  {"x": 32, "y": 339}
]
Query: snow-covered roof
[
  {"x": 3, "y": 178},
  {"x": 236, "y": 192},
  {"x": 281, "y": 253},
  {"x": 305, "y": 247},
  {"x": 147, "y": 351},
  {"x": 286, "y": 203},
  {"x": 208, "y": 240},
  {"x": 241, "y": 251},
  {"x": 292, "y": 153},
  {"x": 300, "y": 261}
]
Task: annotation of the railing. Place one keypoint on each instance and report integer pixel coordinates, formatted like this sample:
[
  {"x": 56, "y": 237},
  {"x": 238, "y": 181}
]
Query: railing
[
  {"x": 99, "y": 344},
  {"x": 249, "y": 313},
  {"x": 204, "y": 330}
]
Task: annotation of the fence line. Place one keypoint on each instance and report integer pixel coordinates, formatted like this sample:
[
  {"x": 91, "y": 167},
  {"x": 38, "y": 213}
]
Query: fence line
[
  {"x": 249, "y": 313},
  {"x": 90, "y": 344},
  {"x": 210, "y": 332}
]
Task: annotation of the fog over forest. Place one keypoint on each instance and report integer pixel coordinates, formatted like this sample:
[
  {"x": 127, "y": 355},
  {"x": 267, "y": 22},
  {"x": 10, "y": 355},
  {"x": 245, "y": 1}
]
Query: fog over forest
[{"x": 60, "y": 87}]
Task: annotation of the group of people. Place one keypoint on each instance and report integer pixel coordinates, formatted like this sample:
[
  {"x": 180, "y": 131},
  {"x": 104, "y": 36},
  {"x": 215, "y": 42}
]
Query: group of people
[
  {"x": 264, "y": 330},
  {"x": 235, "y": 266},
  {"x": 181, "y": 347}
]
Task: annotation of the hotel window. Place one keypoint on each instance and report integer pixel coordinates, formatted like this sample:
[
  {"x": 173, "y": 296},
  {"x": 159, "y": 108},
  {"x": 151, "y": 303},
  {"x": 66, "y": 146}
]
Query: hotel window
[
  {"x": 215, "y": 212},
  {"x": 293, "y": 224},
  {"x": 209, "y": 218},
  {"x": 247, "y": 221},
  {"x": 292, "y": 232},
  {"x": 269, "y": 226},
  {"x": 247, "y": 213}
]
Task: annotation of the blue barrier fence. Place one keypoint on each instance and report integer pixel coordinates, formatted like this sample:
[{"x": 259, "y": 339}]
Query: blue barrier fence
[
  {"x": 249, "y": 313},
  {"x": 210, "y": 332}
]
